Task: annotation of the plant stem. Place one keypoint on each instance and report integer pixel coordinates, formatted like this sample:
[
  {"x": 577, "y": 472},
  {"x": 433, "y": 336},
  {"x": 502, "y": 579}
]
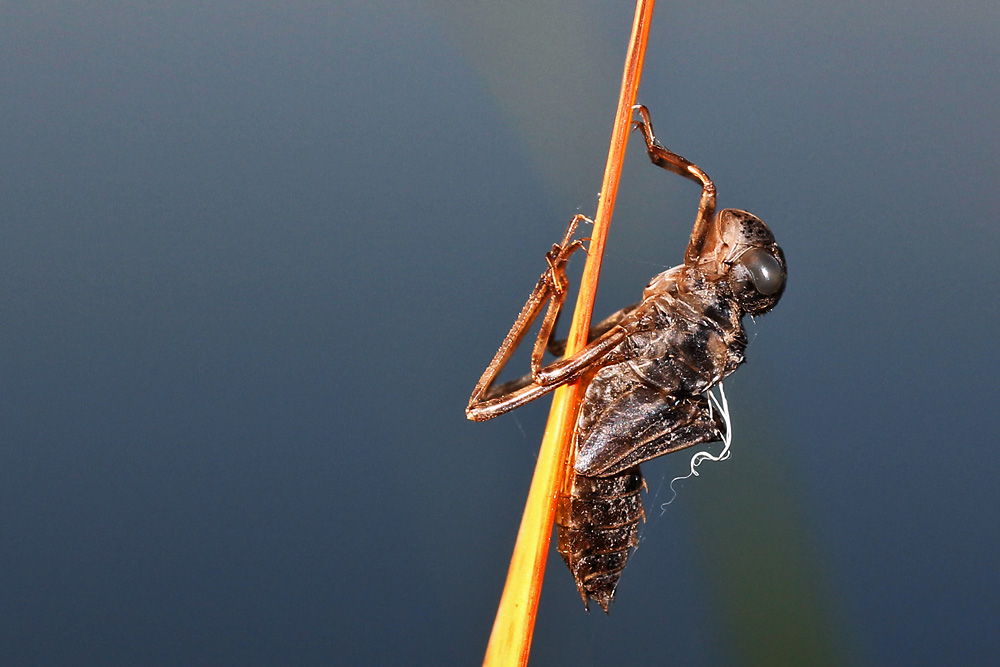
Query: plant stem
[{"x": 510, "y": 641}]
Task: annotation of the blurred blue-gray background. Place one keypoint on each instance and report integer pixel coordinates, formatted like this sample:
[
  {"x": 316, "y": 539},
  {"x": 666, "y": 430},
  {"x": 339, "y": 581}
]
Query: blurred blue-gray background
[{"x": 255, "y": 255}]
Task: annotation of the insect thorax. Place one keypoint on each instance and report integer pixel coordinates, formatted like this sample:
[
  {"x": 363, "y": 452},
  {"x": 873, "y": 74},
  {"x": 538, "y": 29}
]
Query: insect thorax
[{"x": 687, "y": 336}]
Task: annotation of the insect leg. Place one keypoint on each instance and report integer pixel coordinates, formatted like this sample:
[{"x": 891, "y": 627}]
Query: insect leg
[
  {"x": 551, "y": 288},
  {"x": 669, "y": 160},
  {"x": 486, "y": 402},
  {"x": 558, "y": 347}
]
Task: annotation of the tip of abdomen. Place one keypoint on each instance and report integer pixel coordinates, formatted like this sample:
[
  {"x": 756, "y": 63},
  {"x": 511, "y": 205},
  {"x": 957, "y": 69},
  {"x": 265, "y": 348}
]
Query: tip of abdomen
[{"x": 598, "y": 525}]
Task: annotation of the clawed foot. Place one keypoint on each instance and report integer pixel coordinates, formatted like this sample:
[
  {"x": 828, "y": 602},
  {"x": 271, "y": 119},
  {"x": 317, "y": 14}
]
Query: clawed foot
[{"x": 561, "y": 252}]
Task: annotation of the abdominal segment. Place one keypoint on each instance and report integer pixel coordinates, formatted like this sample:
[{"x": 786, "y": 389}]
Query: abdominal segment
[{"x": 598, "y": 524}]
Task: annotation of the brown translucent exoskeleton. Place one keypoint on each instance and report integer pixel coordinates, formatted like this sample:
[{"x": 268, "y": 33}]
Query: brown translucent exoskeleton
[{"x": 647, "y": 368}]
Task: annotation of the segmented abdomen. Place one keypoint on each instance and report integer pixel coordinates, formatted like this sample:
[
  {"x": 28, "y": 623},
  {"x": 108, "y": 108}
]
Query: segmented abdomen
[{"x": 598, "y": 524}]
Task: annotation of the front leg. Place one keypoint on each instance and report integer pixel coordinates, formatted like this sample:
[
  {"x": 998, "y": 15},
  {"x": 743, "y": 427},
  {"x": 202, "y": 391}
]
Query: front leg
[{"x": 671, "y": 161}]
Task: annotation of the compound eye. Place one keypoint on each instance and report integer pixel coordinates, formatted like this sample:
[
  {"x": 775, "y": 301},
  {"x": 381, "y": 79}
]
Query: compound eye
[{"x": 764, "y": 269}]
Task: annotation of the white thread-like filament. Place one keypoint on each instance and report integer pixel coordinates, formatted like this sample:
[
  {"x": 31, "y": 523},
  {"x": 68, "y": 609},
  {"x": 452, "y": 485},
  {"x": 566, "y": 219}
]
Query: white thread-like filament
[{"x": 714, "y": 403}]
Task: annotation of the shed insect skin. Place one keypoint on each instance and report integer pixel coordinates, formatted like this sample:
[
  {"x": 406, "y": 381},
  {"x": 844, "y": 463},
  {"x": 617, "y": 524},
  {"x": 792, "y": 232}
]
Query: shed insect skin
[{"x": 647, "y": 368}]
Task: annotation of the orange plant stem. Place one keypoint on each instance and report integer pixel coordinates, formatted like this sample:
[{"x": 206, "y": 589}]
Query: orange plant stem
[{"x": 510, "y": 641}]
